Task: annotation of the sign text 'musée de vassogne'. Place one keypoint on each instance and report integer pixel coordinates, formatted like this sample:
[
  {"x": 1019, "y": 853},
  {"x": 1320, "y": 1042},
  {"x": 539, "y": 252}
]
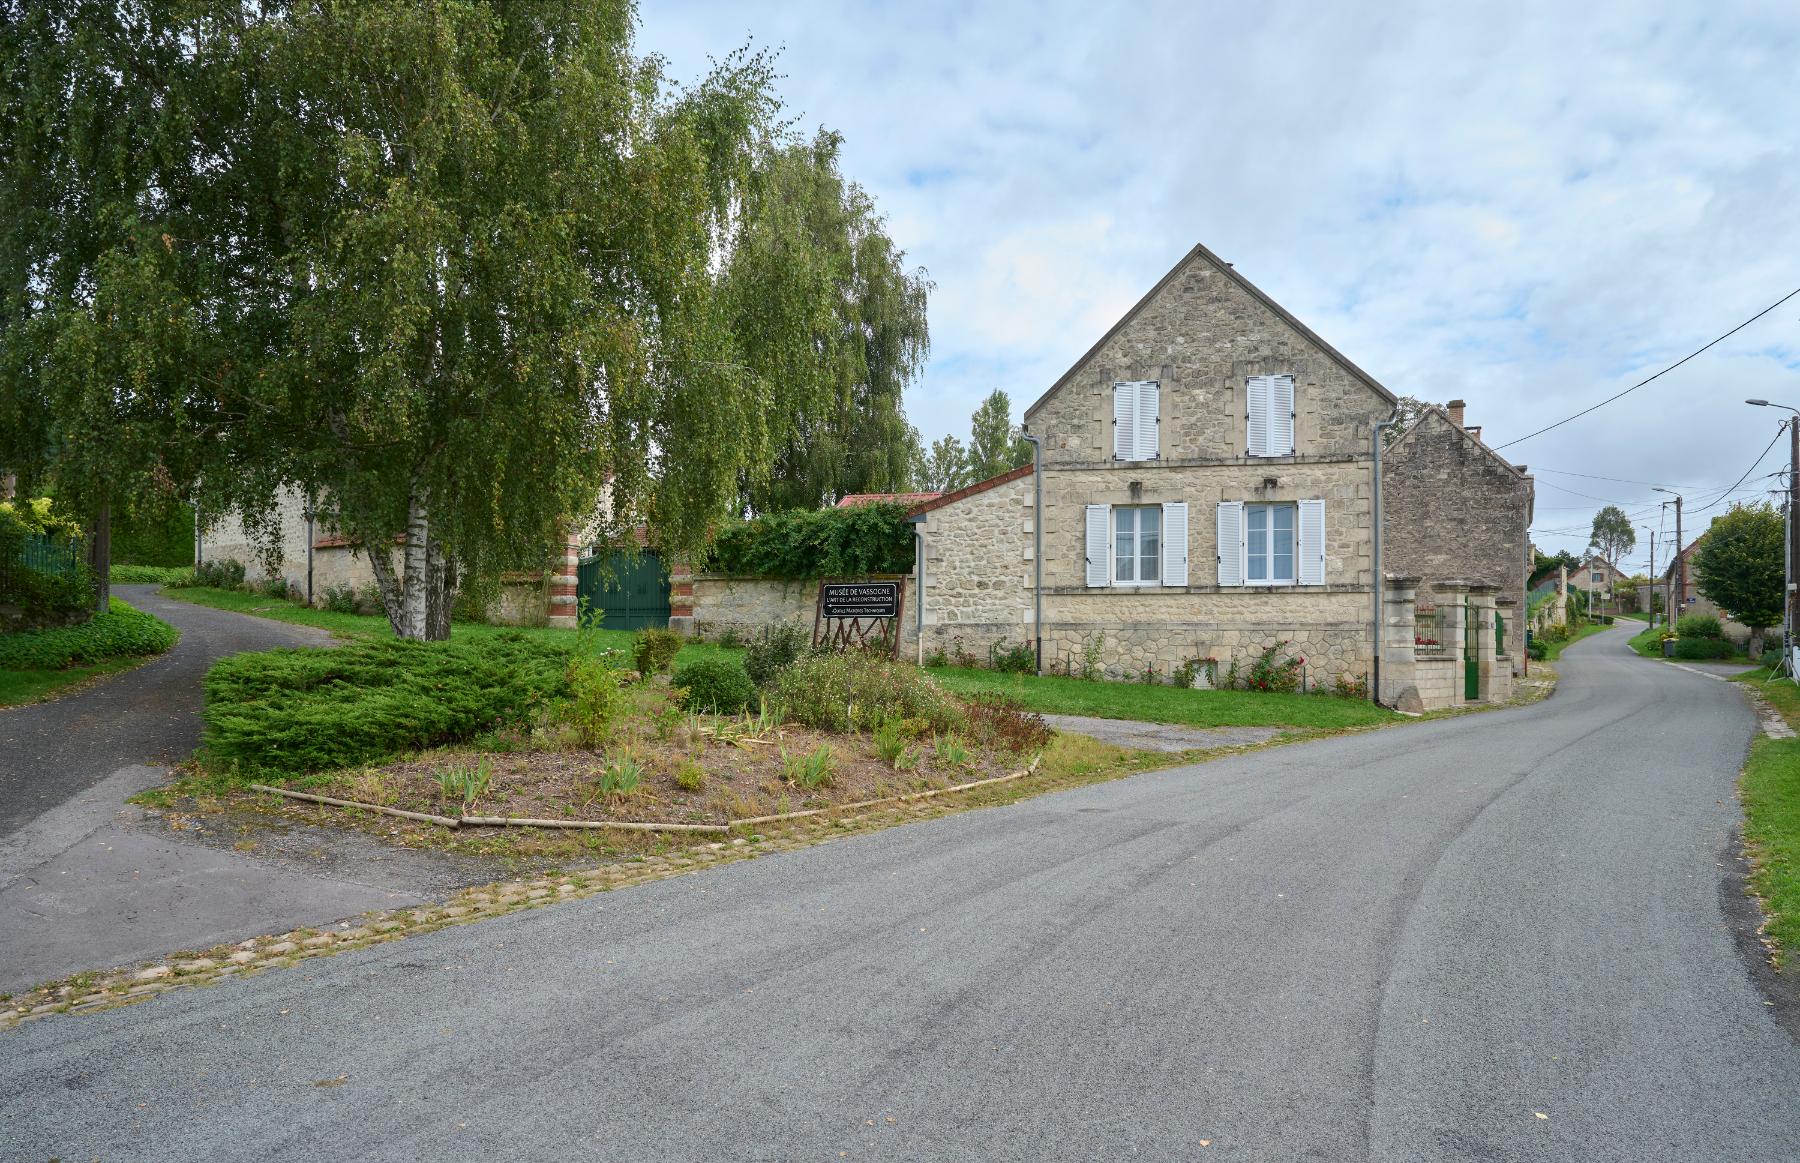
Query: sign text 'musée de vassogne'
[{"x": 860, "y": 600}]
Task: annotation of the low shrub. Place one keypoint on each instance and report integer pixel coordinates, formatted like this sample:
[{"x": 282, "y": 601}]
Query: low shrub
[
  {"x": 276, "y": 587},
  {"x": 1699, "y": 626},
  {"x": 226, "y": 573},
  {"x": 281, "y": 713},
  {"x": 773, "y": 650},
  {"x": 716, "y": 684},
  {"x": 121, "y": 632},
  {"x": 340, "y": 599},
  {"x": 1275, "y": 672},
  {"x": 1538, "y": 650},
  {"x": 1348, "y": 685},
  {"x": 654, "y": 650},
  {"x": 841, "y": 692},
  {"x": 1693, "y": 648},
  {"x": 1020, "y": 659},
  {"x": 595, "y": 699},
  {"x": 151, "y": 575},
  {"x": 999, "y": 721}
]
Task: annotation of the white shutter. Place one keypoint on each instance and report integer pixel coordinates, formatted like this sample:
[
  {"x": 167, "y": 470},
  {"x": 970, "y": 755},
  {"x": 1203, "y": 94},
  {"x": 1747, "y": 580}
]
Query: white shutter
[
  {"x": 1309, "y": 554},
  {"x": 1281, "y": 415},
  {"x": 1125, "y": 422},
  {"x": 1149, "y": 397},
  {"x": 1099, "y": 545},
  {"x": 1231, "y": 543},
  {"x": 1256, "y": 388},
  {"x": 1174, "y": 545}
]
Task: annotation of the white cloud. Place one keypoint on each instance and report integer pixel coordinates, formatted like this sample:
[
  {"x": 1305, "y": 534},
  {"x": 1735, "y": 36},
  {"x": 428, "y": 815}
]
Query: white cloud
[{"x": 1528, "y": 205}]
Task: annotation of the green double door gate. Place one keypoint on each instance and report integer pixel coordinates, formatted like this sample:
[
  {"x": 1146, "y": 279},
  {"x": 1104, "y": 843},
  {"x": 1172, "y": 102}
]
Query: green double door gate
[
  {"x": 1472, "y": 668},
  {"x": 631, "y": 591}
]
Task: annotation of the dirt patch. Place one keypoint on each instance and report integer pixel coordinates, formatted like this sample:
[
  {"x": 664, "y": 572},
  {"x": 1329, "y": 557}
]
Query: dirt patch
[{"x": 708, "y": 770}]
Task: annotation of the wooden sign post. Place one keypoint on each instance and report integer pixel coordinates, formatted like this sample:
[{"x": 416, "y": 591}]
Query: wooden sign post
[{"x": 858, "y": 613}]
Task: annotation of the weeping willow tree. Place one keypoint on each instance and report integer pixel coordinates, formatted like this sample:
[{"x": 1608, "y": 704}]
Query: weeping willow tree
[
  {"x": 832, "y": 319},
  {"x": 456, "y": 270}
]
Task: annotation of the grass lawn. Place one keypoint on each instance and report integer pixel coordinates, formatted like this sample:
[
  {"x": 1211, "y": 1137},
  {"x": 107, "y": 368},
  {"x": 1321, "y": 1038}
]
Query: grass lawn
[
  {"x": 371, "y": 626},
  {"x": 1648, "y": 642},
  {"x": 1553, "y": 650},
  {"x": 1770, "y": 789},
  {"x": 1165, "y": 704},
  {"x": 34, "y": 686}
]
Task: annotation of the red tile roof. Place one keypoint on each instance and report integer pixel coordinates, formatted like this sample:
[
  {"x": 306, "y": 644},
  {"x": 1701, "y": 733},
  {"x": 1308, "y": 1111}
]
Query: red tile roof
[{"x": 873, "y": 498}]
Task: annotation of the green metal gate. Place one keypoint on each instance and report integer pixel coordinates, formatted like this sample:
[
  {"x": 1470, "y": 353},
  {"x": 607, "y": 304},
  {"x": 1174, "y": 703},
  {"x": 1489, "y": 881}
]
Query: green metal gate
[
  {"x": 631, "y": 590},
  {"x": 1471, "y": 668}
]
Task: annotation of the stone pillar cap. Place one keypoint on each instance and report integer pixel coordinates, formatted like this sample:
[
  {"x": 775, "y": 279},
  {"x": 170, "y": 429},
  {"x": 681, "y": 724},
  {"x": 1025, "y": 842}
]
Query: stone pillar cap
[
  {"x": 1401, "y": 579},
  {"x": 1506, "y": 600},
  {"x": 1483, "y": 588}
]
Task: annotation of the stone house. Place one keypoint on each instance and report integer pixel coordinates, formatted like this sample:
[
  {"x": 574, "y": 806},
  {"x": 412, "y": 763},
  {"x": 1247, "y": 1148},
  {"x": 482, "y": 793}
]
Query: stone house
[
  {"x": 1691, "y": 599},
  {"x": 1207, "y": 493},
  {"x": 1597, "y": 576},
  {"x": 1454, "y": 509}
]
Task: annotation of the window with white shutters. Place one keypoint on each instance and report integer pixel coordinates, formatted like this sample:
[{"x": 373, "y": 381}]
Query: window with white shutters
[
  {"x": 1231, "y": 543},
  {"x": 1269, "y": 545},
  {"x": 1175, "y": 543},
  {"x": 1099, "y": 545},
  {"x": 1311, "y": 565},
  {"x": 1136, "y": 420},
  {"x": 1270, "y": 421}
]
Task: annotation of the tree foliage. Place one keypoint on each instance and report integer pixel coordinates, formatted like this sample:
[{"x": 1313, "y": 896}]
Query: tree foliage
[
  {"x": 448, "y": 269},
  {"x": 1739, "y": 564},
  {"x": 814, "y": 543},
  {"x": 995, "y": 442},
  {"x": 1406, "y": 410},
  {"x": 1613, "y": 535},
  {"x": 946, "y": 466}
]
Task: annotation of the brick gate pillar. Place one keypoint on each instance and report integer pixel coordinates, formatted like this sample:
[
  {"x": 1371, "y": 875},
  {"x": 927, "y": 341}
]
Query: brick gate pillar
[
  {"x": 681, "y": 598},
  {"x": 565, "y": 609}
]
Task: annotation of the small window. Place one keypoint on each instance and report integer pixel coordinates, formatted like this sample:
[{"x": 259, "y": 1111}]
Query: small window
[
  {"x": 1269, "y": 544},
  {"x": 1598, "y": 578},
  {"x": 1137, "y": 545}
]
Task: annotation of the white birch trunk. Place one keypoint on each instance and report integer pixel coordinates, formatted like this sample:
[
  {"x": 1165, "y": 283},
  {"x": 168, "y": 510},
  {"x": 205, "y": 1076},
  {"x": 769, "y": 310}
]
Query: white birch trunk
[{"x": 413, "y": 570}]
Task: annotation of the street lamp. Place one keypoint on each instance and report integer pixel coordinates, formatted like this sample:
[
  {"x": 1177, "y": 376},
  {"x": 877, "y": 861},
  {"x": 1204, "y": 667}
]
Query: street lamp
[{"x": 1791, "y": 615}]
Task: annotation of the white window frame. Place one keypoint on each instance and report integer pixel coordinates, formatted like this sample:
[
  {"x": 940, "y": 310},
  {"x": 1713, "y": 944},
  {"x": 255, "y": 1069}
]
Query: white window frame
[
  {"x": 1137, "y": 555},
  {"x": 1267, "y": 511}
]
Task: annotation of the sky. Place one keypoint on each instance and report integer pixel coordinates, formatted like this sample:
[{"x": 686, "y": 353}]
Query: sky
[{"x": 1528, "y": 206}]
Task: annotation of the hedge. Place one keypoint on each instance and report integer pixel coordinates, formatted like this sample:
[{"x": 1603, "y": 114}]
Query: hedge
[
  {"x": 282, "y": 713},
  {"x": 814, "y": 543},
  {"x": 121, "y": 632}
]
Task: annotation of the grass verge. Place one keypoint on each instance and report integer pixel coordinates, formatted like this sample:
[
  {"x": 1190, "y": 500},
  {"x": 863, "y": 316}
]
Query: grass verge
[
  {"x": 1553, "y": 650},
  {"x": 1165, "y": 704},
  {"x": 38, "y": 664},
  {"x": 1770, "y": 790}
]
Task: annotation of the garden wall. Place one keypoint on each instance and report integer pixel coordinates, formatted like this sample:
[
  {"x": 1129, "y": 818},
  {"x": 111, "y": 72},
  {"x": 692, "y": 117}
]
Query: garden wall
[{"x": 743, "y": 605}]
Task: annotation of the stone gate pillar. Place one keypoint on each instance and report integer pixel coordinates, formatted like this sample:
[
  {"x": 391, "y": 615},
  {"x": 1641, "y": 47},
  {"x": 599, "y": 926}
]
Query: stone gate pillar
[
  {"x": 1399, "y": 683},
  {"x": 1481, "y": 602}
]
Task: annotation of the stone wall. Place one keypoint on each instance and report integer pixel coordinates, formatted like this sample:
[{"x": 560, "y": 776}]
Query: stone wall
[
  {"x": 744, "y": 605},
  {"x": 977, "y": 587},
  {"x": 1201, "y": 334},
  {"x": 1453, "y": 510}
]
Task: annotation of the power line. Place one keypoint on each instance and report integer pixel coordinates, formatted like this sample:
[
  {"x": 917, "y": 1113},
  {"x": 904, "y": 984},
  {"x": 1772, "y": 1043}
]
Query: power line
[
  {"x": 1665, "y": 371},
  {"x": 1778, "y": 431},
  {"x": 1597, "y": 477}
]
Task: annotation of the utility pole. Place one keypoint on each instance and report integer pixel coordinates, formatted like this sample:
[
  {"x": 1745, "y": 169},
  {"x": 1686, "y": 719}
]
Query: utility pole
[
  {"x": 1680, "y": 557},
  {"x": 1677, "y": 565},
  {"x": 1791, "y": 602}
]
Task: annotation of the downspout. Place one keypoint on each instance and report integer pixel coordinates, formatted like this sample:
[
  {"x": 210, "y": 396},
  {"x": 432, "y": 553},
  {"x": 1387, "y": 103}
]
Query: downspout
[
  {"x": 1375, "y": 433},
  {"x": 1037, "y": 546},
  {"x": 919, "y": 585}
]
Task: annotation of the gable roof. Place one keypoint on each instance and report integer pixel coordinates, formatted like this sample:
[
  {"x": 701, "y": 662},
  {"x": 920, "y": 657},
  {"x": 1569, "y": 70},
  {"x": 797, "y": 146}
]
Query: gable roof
[
  {"x": 1254, "y": 291},
  {"x": 942, "y": 499},
  {"x": 1517, "y": 470}
]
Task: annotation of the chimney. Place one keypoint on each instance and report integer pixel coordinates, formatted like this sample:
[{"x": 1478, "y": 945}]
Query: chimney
[{"x": 1455, "y": 408}]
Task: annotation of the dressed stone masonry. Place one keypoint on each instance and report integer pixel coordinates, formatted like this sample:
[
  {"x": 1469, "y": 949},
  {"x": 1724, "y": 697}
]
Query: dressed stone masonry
[
  {"x": 1455, "y": 509},
  {"x": 1207, "y": 493}
]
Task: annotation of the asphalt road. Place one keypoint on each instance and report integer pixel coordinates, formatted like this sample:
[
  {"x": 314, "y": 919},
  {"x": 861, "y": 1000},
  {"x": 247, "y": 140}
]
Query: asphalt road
[
  {"x": 50, "y": 752},
  {"x": 1500, "y": 937},
  {"x": 84, "y": 885}
]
